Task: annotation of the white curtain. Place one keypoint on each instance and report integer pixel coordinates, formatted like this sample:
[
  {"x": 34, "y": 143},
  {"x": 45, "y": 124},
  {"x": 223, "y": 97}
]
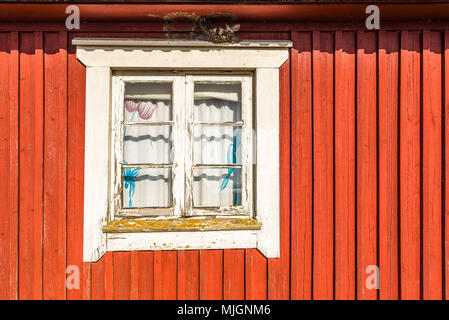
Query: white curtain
[
  {"x": 147, "y": 187},
  {"x": 213, "y": 144}
]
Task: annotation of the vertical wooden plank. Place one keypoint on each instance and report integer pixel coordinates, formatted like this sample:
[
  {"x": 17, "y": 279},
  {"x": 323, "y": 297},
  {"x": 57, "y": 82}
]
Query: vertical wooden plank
[
  {"x": 39, "y": 161},
  {"x": 31, "y": 144},
  {"x": 122, "y": 275},
  {"x": 301, "y": 166},
  {"x": 345, "y": 165},
  {"x": 13, "y": 167},
  {"x": 279, "y": 269},
  {"x": 388, "y": 164},
  {"x": 97, "y": 274},
  {"x": 255, "y": 275},
  {"x": 55, "y": 165},
  {"x": 188, "y": 274},
  {"x": 432, "y": 166},
  {"x": 76, "y": 80},
  {"x": 102, "y": 278},
  {"x": 157, "y": 265},
  {"x": 146, "y": 275},
  {"x": 446, "y": 163},
  {"x": 134, "y": 276},
  {"x": 85, "y": 283},
  {"x": 409, "y": 167},
  {"x": 211, "y": 274},
  {"x": 323, "y": 171},
  {"x": 9, "y": 162},
  {"x": 165, "y": 275},
  {"x": 109, "y": 275},
  {"x": 366, "y": 161},
  {"x": 234, "y": 274}
]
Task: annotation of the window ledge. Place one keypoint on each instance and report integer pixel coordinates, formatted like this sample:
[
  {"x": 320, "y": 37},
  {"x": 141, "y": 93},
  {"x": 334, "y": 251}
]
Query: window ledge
[{"x": 182, "y": 224}]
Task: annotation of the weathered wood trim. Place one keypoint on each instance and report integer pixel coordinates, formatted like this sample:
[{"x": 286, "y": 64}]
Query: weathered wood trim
[
  {"x": 193, "y": 240},
  {"x": 181, "y": 224},
  {"x": 188, "y": 143},
  {"x": 179, "y": 147},
  {"x": 148, "y": 53},
  {"x": 96, "y": 161},
  {"x": 267, "y": 162}
]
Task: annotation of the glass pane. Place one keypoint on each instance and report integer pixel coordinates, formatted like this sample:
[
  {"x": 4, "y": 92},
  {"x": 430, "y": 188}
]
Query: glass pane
[
  {"x": 217, "y": 187},
  {"x": 147, "y": 144},
  {"x": 147, "y": 187},
  {"x": 148, "y": 101},
  {"x": 217, "y": 102},
  {"x": 217, "y": 144}
]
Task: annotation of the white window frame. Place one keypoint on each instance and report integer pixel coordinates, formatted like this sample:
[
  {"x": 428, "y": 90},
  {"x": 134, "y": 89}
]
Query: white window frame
[
  {"x": 246, "y": 138},
  {"x": 102, "y": 57},
  {"x": 177, "y": 123},
  {"x": 182, "y": 135}
]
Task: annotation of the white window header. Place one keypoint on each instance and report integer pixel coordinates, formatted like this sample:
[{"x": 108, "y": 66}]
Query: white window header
[{"x": 180, "y": 54}]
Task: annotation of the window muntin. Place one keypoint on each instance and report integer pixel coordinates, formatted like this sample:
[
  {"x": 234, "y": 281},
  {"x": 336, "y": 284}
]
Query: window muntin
[{"x": 183, "y": 145}]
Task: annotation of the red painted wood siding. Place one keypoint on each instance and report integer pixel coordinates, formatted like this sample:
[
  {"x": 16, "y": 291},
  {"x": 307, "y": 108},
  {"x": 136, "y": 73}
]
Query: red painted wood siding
[{"x": 364, "y": 160}]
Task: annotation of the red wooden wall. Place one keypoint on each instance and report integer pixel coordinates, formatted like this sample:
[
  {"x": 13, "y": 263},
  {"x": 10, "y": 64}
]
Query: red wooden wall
[{"x": 364, "y": 154}]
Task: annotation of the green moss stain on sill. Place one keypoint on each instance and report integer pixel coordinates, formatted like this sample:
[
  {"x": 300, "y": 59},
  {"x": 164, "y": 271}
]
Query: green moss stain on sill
[{"x": 181, "y": 224}]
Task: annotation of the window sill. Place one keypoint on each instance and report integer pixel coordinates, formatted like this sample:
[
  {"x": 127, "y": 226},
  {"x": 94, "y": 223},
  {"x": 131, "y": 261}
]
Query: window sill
[{"x": 183, "y": 224}]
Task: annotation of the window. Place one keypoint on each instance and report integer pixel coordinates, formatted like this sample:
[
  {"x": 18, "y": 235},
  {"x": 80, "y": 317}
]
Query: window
[{"x": 182, "y": 144}]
